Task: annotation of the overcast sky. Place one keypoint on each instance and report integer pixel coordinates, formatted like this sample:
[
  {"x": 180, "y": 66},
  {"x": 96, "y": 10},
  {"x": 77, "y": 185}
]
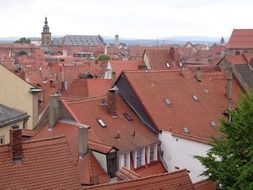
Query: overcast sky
[{"x": 128, "y": 18}]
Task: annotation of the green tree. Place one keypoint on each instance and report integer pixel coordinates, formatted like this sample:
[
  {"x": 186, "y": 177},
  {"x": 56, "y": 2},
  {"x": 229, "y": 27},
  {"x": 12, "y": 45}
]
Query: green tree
[
  {"x": 230, "y": 160},
  {"x": 23, "y": 40},
  {"x": 104, "y": 57},
  {"x": 22, "y": 52}
]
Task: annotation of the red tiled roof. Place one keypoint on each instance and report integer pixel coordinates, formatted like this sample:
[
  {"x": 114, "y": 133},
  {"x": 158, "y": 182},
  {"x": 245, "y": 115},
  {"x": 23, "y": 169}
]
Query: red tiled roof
[
  {"x": 236, "y": 59},
  {"x": 121, "y": 125},
  {"x": 124, "y": 174},
  {"x": 154, "y": 87},
  {"x": 178, "y": 180},
  {"x": 158, "y": 58},
  {"x": 205, "y": 185},
  {"x": 118, "y": 66},
  {"x": 241, "y": 39},
  {"x": 151, "y": 169},
  {"x": 90, "y": 171},
  {"x": 88, "y": 87},
  {"x": 46, "y": 164},
  {"x": 71, "y": 133}
]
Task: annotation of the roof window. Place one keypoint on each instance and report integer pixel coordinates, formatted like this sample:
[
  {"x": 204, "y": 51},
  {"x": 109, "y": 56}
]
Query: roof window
[
  {"x": 167, "y": 101},
  {"x": 213, "y": 123},
  {"x": 186, "y": 130},
  {"x": 195, "y": 97},
  {"x": 101, "y": 122},
  {"x": 127, "y": 116},
  {"x": 167, "y": 65},
  {"x": 206, "y": 91}
]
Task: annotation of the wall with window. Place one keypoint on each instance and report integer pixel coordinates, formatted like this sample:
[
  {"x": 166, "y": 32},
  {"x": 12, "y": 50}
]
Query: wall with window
[
  {"x": 5, "y": 132},
  {"x": 124, "y": 160},
  {"x": 178, "y": 154}
]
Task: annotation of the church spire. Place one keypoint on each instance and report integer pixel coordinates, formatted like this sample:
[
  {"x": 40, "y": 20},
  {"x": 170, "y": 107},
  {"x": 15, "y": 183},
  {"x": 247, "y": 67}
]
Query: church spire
[{"x": 45, "y": 35}]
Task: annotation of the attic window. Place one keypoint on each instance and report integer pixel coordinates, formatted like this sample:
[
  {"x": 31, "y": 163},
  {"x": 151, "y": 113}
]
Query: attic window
[
  {"x": 167, "y": 65},
  {"x": 167, "y": 101},
  {"x": 101, "y": 122},
  {"x": 127, "y": 116},
  {"x": 195, "y": 97},
  {"x": 213, "y": 123},
  {"x": 186, "y": 130}
]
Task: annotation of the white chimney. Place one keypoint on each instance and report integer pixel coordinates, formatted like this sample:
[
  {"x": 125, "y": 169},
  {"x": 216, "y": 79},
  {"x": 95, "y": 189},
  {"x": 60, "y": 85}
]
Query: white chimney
[{"x": 83, "y": 140}]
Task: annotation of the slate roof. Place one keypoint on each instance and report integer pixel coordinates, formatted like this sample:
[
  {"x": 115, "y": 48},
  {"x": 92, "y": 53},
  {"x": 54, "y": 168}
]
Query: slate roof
[
  {"x": 178, "y": 180},
  {"x": 46, "y": 164},
  {"x": 10, "y": 115},
  {"x": 246, "y": 72},
  {"x": 78, "y": 40}
]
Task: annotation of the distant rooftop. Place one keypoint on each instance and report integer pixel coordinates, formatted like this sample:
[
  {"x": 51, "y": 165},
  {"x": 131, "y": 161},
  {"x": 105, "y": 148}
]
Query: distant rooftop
[{"x": 79, "y": 40}]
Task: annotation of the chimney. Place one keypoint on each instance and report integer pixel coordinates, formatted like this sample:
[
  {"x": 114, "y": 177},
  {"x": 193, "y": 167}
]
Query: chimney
[
  {"x": 198, "y": 74},
  {"x": 111, "y": 98},
  {"x": 54, "y": 110},
  {"x": 117, "y": 40},
  {"x": 229, "y": 84},
  {"x": 113, "y": 77},
  {"x": 83, "y": 141},
  {"x": 16, "y": 142}
]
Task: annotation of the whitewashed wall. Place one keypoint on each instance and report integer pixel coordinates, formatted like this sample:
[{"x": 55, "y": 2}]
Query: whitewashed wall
[{"x": 178, "y": 152}]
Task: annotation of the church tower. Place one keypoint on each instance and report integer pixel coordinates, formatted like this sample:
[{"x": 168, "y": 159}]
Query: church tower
[{"x": 45, "y": 35}]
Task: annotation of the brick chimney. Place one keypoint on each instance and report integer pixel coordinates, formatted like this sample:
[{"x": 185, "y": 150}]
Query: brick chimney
[
  {"x": 83, "y": 141},
  {"x": 229, "y": 84},
  {"x": 16, "y": 142},
  {"x": 113, "y": 77},
  {"x": 111, "y": 98},
  {"x": 198, "y": 74},
  {"x": 54, "y": 110}
]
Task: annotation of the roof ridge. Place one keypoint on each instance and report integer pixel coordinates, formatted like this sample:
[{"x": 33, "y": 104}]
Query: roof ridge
[
  {"x": 44, "y": 139},
  {"x": 142, "y": 178}
]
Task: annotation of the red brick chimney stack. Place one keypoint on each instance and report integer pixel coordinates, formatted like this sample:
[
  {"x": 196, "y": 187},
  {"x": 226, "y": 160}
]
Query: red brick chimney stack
[
  {"x": 16, "y": 142},
  {"x": 111, "y": 98}
]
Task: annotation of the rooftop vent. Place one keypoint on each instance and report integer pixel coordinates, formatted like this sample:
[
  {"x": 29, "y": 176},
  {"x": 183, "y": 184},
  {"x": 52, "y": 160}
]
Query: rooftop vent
[
  {"x": 101, "y": 122},
  {"x": 186, "y": 130},
  {"x": 213, "y": 123},
  {"x": 127, "y": 116},
  {"x": 195, "y": 97},
  {"x": 167, "y": 101}
]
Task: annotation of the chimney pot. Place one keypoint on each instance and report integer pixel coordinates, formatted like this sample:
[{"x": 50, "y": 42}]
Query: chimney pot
[{"x": 16, "y": 142}]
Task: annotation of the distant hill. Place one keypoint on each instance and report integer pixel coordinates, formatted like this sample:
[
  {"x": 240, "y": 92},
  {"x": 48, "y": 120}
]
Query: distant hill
[
  {"x": 160, "y": 41},
  {"x": 170, "y": 40}
]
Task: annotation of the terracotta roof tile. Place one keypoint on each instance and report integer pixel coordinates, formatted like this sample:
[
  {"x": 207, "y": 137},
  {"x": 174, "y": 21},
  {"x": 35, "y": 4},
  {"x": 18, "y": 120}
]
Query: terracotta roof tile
[
  {"x": 178, "y": 180},
  {"x": 205, "y": 185},
  {"x": 151, "y": 169},
  {"x": 119, "y": 125},
  {"x": 46, "y": 164},
  {"x": 241, "y": 39},
  {"x": 236, "y": 59},
  {"x": 184, "y": 111},
  {"x": 124, "y": 174},
  {"x": 90, "y": 171}
]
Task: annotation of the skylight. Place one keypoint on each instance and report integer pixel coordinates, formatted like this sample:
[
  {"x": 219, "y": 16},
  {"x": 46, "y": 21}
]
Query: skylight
[
  {"x": 167, "y": 101},
  {"x": 101, "y": 122},
  {"x": 127, "y": 116},
  {"x": 167, "y": 65},
  {"x": 195, "y": 97},
  {"x": 213, "y": 123},
  {"x": 186, "y": 130}
]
